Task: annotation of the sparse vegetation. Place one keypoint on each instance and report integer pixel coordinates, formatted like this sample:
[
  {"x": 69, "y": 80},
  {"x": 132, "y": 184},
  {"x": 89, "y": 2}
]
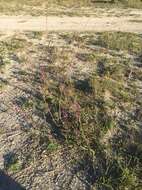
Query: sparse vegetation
[
  {"x": 120, "y": 41},
  {"x": 61, "y": 7},
  {"x": 12, "y": 163},
  {"x": 84, "y": 98}
]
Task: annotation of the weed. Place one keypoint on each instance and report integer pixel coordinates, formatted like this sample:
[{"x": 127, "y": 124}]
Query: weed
[
  {"x": 120, "y": 41},
  {"x": 52, "y": 147},
  {"x": 12, "y": 163},
  {"x": 97, "y": 113}
]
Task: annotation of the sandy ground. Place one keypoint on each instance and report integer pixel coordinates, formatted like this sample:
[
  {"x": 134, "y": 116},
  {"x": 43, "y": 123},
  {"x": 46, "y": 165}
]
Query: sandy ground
[
  {"x": 55, "y": 170},
  {"x": 130, "y": 23}
]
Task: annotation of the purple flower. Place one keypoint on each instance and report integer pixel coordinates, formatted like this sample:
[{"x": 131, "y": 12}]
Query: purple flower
[
  {"x": 43, "y": 74},
  {"x": 65, "y": 114},
  {"x": 77, "y": 109}
]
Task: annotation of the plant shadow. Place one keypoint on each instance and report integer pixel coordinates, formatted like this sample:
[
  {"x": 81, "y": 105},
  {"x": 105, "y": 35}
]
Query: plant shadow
[
  {"x": 31, "y": 92},
  {"x": 7, "y": 183}
]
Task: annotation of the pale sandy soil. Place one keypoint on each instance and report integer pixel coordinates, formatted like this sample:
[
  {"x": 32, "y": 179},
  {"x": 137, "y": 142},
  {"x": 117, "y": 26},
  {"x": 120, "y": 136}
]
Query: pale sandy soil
[{"x": 129, "y": 23}]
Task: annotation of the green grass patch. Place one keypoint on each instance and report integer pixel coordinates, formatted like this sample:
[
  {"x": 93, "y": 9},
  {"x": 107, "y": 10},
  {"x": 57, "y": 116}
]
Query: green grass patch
[{"x": 128, "y": 42}]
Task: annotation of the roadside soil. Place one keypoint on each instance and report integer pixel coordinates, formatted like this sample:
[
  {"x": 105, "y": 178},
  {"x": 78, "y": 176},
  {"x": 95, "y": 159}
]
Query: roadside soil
[{"x": 109, "y": 21}]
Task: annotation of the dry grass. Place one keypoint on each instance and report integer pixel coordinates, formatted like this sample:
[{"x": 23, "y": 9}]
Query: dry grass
[
  {"x": 57, "y": 7},
  {"x": 134, "y": 3},
  {"x": 85, "y": 88}
]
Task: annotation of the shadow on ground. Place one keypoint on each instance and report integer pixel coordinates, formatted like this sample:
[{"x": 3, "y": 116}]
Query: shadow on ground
[{"x": 7, "y": 183}]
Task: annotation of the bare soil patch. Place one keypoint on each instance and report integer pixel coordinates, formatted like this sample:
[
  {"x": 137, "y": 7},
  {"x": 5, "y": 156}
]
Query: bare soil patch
[{"x": 65, "y": 23}]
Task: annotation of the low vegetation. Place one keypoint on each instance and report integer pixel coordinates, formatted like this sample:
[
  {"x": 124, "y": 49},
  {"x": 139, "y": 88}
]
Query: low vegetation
[
  {"x": 86, "y": 109},
  {"x": 61, "y": 7},
  {"x": 84, "y": 97}
]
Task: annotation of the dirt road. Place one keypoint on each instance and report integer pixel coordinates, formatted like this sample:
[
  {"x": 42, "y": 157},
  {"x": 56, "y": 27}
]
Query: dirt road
[{"x": 131, "y": 23}]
